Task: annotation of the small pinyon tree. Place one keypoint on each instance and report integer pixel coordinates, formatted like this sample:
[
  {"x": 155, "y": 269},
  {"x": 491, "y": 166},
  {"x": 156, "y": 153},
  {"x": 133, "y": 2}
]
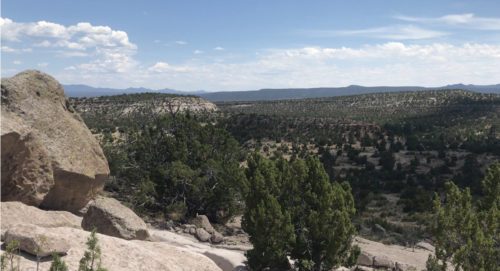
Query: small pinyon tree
[
  {"x": 91, "y": 260},
  {"x": 57, "y": 264}
]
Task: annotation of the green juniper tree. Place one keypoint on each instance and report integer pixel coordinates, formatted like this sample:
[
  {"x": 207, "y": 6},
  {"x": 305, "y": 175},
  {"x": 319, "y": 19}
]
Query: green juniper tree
[
  {"x": 465, "y": 236},
  {"x": 268, "y": 225},
  {"x": 323, "y": 225},
  {"x": 294, "y": 210}
]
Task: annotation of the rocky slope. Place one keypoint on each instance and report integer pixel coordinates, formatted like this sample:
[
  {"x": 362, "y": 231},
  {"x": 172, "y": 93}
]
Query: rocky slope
[{"x": 49, "y": 157}]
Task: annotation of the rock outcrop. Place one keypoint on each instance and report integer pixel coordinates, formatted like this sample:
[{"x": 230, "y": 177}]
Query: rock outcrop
[
  {"x": 110, "y": 217},
  {"x": 49, "y": 157},
  {"x": 377, "y": 256},
  {"x": 37, "y": 241},
  {"x": 14, "y": 212},
  {"x": 201, "y": 221},
  {"x": 168, "y": 251},
  {"x": 205, "y": 231}
]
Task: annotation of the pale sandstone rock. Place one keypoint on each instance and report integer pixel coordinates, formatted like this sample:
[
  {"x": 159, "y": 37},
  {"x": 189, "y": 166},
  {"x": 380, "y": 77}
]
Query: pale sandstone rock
[
  {"x": 216, "y": 237},
  {"x": 36, "y": 240},
  {"x": 123, "y": 255},
  {"x": 202, "y": 235},
  {"x": 49, "y": 157},
  {"x": 365, "y": 258},
  {"x": 201, "y": 221},
  {"x": 395, "y": 253},
  {"x": 363, "y": 268},
  {"x": 404, "y": 267},
  {"x": 192, "y": 231},
  {"x": 14, "y": 212},
  {"x": 112, "y": 218},
  {"x": 425, "y": 245},
  {"x": 382, "y": 262}
]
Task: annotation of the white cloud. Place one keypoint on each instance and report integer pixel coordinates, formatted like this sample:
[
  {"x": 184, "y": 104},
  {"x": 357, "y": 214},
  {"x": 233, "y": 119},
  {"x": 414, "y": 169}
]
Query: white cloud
[
  {"x": 110, "y": 49},
  {"x": 17, "y": 62},
  {"x": 12, "y": 31},
  {"x": 468, "y": 20},
  {"x": 7, "y": 49},
  {"x": 44, "y": 43},
  {"x": 218, "y": 48},
  {"x": 181, "y": 42},
  {"x": 197, "y": 52},
  {"x": 395, "y": 32},
  {"x": 391, "y": 63},
  {"x": 72, "y": 53},
  {"x": 161, "y": 67},
  {"x": 43, "y": 64}
]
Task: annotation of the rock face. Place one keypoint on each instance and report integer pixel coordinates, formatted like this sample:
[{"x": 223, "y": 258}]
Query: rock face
[
  {"x": 49, "y": 157},
  {"x": 36, "y": 240},
  {"x": 110, "y": 217}
]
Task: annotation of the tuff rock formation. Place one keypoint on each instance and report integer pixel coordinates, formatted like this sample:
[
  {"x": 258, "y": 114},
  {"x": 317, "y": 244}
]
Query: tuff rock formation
[
  {"x": 15, "y": 212},
  {"x": 166, "y": 251},
  {"x": 110, "y": 217},
  {"x": 37, "y": 241},
  {"x": 49, "y": 157}
]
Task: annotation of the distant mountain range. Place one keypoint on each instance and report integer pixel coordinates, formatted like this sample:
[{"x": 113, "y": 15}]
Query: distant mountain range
[{"x": 271, "y": 94}]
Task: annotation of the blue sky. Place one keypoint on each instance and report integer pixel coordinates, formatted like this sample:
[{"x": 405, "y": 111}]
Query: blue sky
[{"x": 242, "y": 45}]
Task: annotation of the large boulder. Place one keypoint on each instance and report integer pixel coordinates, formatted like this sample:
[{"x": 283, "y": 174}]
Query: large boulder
[
  {"x": 216, "y": 237},
  {"x": 202, "y": 235},
  {"x": 49, "y": 157},
  {"x": 365, "y": 259},
  {"x": 36, "y": 240},
  {"x": 201, "y": 221},
  {"x": 110, "y": 217}
]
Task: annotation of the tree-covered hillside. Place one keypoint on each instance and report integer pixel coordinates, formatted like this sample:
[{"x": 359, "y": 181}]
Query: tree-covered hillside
[{"x": 394, "y": 149}]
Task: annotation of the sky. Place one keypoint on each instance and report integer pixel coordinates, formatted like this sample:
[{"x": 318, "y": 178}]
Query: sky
[{"x": 248, "y": 44}]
